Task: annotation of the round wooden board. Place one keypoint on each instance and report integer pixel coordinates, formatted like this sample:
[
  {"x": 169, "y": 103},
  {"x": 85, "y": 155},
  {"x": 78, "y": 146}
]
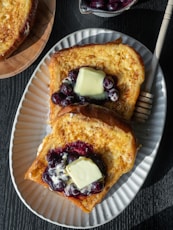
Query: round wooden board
[{"x": 31, "y": 48}]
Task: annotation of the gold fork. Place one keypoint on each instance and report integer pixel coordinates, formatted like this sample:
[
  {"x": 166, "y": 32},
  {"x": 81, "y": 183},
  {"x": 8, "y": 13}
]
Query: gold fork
[{"x": 145, "y": 99}]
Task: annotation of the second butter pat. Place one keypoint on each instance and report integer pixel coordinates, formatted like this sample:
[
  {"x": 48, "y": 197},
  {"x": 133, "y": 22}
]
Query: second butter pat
[
  {"x": 89, "y": 82},
  {"x": 83, "y": 172}
]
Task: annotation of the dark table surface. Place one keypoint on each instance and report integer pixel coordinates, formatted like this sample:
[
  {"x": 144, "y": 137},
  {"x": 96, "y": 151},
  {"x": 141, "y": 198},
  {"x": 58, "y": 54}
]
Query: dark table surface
[{"x": 152, "y": 207}]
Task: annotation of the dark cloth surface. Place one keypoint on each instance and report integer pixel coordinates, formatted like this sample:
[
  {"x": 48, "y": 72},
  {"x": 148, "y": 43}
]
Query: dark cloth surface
[{"x": 152, "y": 208}]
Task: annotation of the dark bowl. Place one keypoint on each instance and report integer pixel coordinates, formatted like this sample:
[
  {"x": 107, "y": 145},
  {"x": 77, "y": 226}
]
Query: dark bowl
[{"x": 85, "y": 9}]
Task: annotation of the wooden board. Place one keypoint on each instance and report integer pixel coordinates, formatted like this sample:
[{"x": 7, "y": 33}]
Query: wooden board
[{"x": 31, "y": 48}]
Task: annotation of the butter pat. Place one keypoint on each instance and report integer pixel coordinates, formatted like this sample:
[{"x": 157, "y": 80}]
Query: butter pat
[
  {"x": 83, "y": 172},
  {"x": 89, "y": 82}
]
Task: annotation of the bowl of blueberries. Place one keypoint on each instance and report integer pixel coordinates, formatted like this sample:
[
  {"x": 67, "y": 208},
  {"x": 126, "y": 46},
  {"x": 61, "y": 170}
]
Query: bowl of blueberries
[{"x": 105, "y": 8}]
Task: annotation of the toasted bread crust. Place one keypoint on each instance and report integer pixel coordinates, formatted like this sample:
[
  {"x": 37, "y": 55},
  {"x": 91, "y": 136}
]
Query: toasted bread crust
[
  {"x": 110, "y": 137},
  {"x": 16, "y": 20},
  {"x": 114, "y": 58},
  {"x": 95, "y": 111}
]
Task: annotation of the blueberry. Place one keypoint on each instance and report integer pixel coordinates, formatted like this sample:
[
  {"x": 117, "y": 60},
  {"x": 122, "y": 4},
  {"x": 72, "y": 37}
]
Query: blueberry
[
  {"x": 82, "y": 99},
  {"x": 60, "y": 186},
  {"x": 53, "y": 159},
  {"x": 125, "y": 2},
  {"x": 68, "y": 101},
  {"x": 72, "y": 157},
  {"x": 112, "y": 6},
  {"x": 97, "y": 187},
  {"x": 113, "y": 94},
  {"x": 66, "y": 89},
  {"x": 74, "y": 190},
  {"x": 80, "y": 147},
  {"x": 72, "y": 75},
  {"x": 57, "y": 98},
  {"x": 85, "y": 191},
  {"x": 108, "y": 83},
  {"x": 113, "y": 1},
  {"x": 46, "y": 177},
  {"x": 98, "y": 4}
]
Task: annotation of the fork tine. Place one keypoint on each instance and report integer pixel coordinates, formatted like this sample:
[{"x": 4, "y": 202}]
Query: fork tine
[
  {"x": 146, "y": 104},
  {"x": 140, "y": 117},
  {"x": 146, "y": 111},
  {"x": 143, "y": 107}
]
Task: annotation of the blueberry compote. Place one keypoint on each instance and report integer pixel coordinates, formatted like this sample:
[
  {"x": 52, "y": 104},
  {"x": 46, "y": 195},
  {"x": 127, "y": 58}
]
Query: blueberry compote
[
  {"x": 55, "y": 174},
  {"x": 110, "y": 5},
  {"x": 66, "y": 96}
]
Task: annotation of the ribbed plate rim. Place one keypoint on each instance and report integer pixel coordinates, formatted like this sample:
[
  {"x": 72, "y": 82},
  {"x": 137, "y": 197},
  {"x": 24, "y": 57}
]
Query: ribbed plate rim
[{"x": 79, "y": 36}]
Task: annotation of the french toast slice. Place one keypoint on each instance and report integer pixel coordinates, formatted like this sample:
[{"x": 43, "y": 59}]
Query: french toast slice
[
  {"x": 16, "y": 19},
  {"x": 112, "y": 139},
  {"x": 114, "y": 58}
]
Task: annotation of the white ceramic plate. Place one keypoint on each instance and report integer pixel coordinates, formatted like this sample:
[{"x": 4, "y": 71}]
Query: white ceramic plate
[{"x": 30, "y": 126}]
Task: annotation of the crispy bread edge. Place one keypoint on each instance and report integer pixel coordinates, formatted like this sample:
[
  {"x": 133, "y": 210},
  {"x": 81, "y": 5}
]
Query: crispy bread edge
[
  {"x": 22, "y": 33},
  {"x": 54, "y": 109},
  {"x": 95, "y": 112}
]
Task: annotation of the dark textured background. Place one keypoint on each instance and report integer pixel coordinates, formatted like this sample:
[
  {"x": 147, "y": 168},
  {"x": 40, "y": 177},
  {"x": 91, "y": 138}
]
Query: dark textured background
[{"x": 152, "y": 207}]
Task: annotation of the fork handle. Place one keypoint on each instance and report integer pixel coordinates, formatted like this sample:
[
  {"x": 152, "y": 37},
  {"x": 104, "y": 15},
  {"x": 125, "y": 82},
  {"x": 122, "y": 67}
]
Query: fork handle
[{"x": 159, "y": 45}]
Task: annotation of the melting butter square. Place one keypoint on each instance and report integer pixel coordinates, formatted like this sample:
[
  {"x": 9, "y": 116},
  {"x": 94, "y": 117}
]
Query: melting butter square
[
  {"x": 89, "y": 82},
  {"x": 83, "y": 172}
]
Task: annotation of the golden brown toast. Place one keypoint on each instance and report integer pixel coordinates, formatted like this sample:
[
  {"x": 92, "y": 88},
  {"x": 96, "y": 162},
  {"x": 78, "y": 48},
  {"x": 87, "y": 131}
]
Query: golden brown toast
[
  {"x": 16, "y": 20},
  {"x": 111, "y": 138},
  {"x": 114, "y": 58}
]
